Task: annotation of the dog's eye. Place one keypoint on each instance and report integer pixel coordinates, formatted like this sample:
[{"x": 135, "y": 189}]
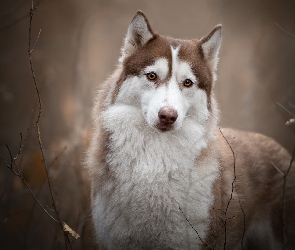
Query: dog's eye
[
  {"x": 187, "y": 83},
  {"x": 151, "y": 76}
]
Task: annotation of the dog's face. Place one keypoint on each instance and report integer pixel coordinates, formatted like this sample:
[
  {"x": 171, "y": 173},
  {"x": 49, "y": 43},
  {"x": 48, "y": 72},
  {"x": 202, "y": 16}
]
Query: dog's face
[{"x": 169, "y": 80}]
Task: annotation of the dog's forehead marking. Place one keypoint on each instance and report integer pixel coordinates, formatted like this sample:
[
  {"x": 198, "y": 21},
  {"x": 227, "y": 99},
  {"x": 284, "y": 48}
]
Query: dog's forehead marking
[
  {"x": 174, "y": 44},
  {"x": 181, "y": 70},
  {"x": 174, "y": 52}
]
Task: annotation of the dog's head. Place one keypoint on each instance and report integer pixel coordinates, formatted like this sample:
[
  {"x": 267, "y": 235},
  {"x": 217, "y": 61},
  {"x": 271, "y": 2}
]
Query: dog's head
[{"x": 168, "y": 80}]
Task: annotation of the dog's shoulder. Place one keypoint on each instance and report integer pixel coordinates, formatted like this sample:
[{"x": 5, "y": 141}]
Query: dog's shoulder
[{"x": 254, "y": 146}]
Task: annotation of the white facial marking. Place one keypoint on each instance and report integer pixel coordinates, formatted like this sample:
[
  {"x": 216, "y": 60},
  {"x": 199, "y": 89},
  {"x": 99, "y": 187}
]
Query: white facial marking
[
  {"x": 181, "y": 70},
  {"x": 135, "y": 86},
  {"x": 172, "y": 94},
  {"x": 160, "y": 67},
  {"x": 150, "y": 97}
]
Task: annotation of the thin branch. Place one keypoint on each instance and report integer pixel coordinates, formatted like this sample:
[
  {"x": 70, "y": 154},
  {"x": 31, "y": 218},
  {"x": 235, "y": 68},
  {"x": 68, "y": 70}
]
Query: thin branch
[
  {"x": 36, "y": 41},
  {"x": 16, "y": 21},
  {"x": 289, "y": 240},
  {"x": 284, "y": 199},
  {"x": 21, "y": 144},
  {"x": 291, "y": 161},
  {"x": 56, "y": 157},
  {"x": 289, "y": 112},
  {"x": 231, "y": 198},
  {"x": 37, "y": 129},
  {"x": 280, "y": 171},
  {"x": 244, "y": 222},
  {"x": 13, "y": 159},
  {"x": 19, "y": 174},
  {"x": 293, "y": 35},
  {"x": 30, "y": 51},
  {"x": 192, "y": 227},
  {"x": 13, "y": 166}
]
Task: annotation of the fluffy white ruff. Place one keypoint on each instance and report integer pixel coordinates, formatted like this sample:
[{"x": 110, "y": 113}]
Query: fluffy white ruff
[
  {"x": 131, "y": 135},
  {"x": 155, "y": 174}
]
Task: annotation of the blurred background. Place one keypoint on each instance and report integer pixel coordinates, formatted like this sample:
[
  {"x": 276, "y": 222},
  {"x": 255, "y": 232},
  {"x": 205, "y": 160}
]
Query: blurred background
[{"x": 78, "y": 49}]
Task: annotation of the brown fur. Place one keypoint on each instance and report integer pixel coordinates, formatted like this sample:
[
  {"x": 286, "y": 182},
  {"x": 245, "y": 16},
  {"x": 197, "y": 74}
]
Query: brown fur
[
  {"x": 159, "y": 47},
  {"x": 191, "y": 52},
  {"x": 101, "y": 173},
  {"x": 257, "y": 192}
]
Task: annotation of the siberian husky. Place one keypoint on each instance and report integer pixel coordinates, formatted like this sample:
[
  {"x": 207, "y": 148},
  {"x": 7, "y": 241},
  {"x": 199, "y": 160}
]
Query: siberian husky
[{"x": 164, "y": 175}]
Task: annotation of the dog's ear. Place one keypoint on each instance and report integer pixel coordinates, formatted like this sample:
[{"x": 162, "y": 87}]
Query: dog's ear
[
  {"x": 210, "y": 45},
  {"x": 139, "y": 33}
]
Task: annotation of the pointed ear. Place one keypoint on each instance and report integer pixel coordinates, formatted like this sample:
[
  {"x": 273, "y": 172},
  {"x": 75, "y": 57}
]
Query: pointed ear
[
  {"x": 139, "y": 33},
  {"x": 210, "y": 45}
]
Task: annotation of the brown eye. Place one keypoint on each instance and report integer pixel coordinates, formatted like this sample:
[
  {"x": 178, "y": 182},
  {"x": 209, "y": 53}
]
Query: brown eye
[
  {"x": 187, "y": 83},
  {"x": 151, "y": 76}
]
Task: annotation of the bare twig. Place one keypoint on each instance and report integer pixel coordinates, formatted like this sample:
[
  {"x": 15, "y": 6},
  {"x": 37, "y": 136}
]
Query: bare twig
[
  {"x": 288, "y": 111},
  {"x": 30, "y": 51},
  {"x": 284, "y": 198},
  {"x": 19, "y": 174},
  {"x": 291, "y": 161},
  {"x": 192, "y": 227},
  {"x": 36, "y": 41},
  {"x": 231, "y": 198},
  {"x": 286, "y": 244},
  {"x": 13, "y": 159},
  {"x": 16, "y": 21},
  {"x": 37, "y": 129},
  {"x": 285, "y": 175},
  {"x": 56, "y": 157},
  {"x": 7, "y": 164},
  {"x": 280, "y": 171},
  {"x": 13, "y": 166},
  {"x": 293, "y": 35}
]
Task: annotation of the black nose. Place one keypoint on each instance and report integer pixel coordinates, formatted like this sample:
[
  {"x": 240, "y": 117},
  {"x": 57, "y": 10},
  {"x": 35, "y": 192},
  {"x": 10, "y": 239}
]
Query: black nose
[{"x": 167, "y": 115}]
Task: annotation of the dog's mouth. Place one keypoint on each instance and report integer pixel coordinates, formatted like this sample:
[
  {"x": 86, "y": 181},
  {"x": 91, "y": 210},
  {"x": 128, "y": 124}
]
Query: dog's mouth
[{"x": 164, "y": 127}]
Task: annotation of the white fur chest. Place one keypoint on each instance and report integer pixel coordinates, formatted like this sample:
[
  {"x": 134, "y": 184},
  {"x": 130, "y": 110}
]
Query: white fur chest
[{"x": 155, "y": 176}]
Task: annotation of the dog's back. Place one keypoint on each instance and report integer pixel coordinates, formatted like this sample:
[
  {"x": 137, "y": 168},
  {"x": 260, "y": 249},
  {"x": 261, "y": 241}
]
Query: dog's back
[{"x": 252, "y": 196}]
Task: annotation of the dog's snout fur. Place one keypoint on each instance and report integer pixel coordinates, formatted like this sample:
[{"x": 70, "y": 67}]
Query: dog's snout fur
[{"x": 167, "y": 115}]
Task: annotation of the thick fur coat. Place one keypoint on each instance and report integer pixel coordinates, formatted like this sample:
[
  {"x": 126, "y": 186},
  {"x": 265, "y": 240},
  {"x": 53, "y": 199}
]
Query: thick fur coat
[{"x": 164, "y": 176}]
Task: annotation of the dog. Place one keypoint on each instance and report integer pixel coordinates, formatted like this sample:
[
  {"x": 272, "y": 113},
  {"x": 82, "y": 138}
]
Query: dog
[{"x": 163, "y": 174}]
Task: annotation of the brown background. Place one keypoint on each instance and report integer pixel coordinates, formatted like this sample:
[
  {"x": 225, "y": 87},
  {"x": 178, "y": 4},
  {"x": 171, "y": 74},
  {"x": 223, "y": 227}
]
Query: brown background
[{"x": 78, "y": 48}]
